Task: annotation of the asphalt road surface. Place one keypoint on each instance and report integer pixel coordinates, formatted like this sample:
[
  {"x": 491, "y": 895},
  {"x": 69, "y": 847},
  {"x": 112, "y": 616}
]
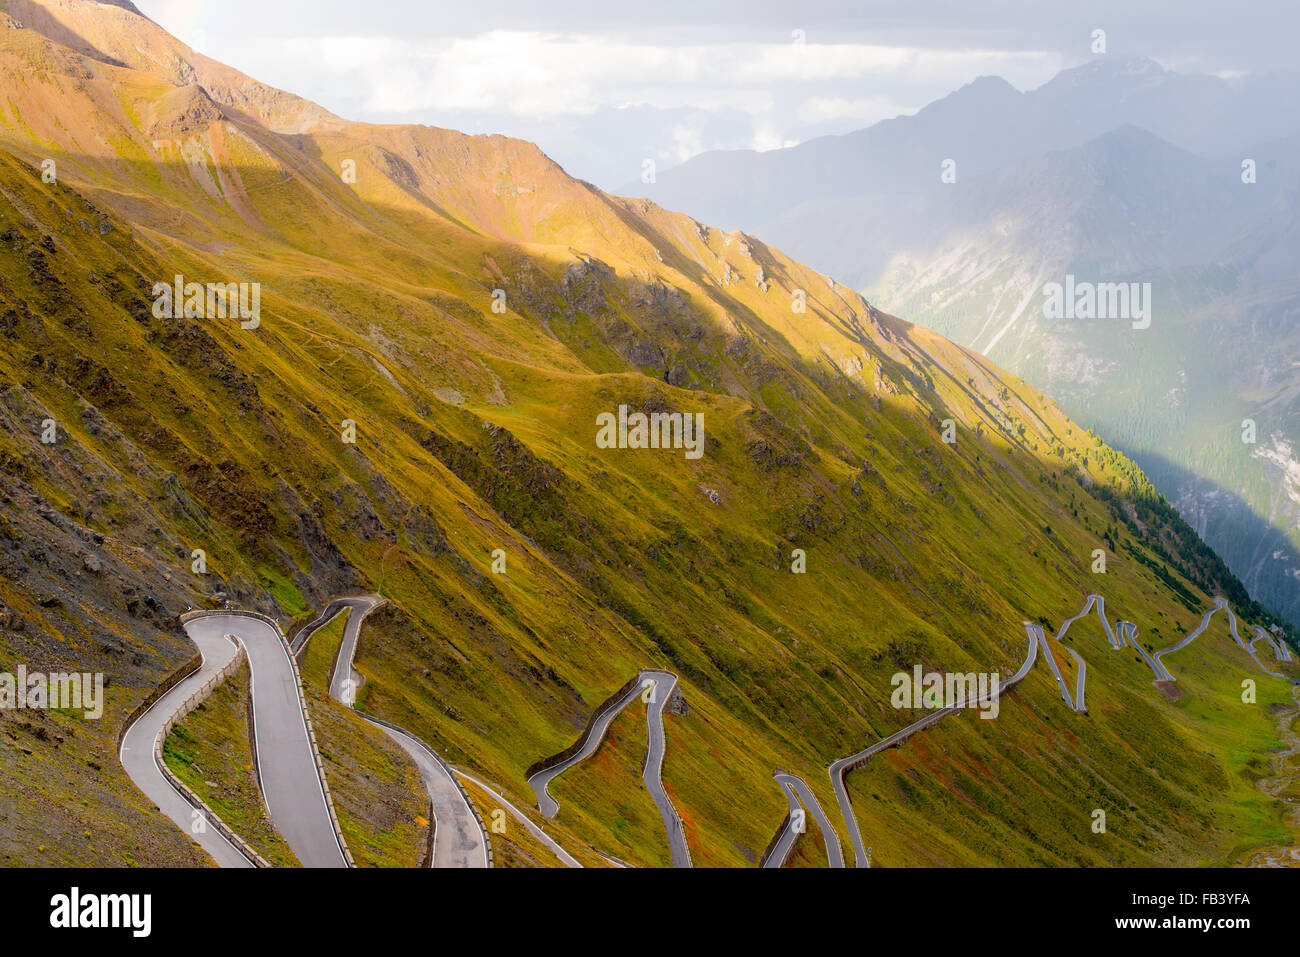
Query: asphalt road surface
[
  {"x": 459, "y": 840},
  {"x": 1051, "y": 663},
  {"x": 801, "y": 797},
  {"x": 652, "y": 774},
  {"x": 138, "y": 757},
  {"x": 286, "y": 760},
  {"x": 786, "y": 840},
  {"x": 660, "y": 685},
  {"x": 1081, "y": 681}
]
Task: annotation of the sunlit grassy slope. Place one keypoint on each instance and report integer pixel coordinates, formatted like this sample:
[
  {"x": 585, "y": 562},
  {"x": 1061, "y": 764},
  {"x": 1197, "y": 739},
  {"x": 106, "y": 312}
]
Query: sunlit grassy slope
[
  {"x": 476, "y": 432},
  {"x": 376, "y": 787}
]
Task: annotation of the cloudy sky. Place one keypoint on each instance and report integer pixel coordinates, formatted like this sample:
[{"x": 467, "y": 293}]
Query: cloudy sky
[{"x": 602, "y": 85}]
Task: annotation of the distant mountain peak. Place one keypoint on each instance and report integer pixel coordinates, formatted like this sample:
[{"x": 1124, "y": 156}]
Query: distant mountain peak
[
  {"x": 130, "y": 40},
  {"x": 982, "y": 93},
  {"x": 989, "y": 81},
  {"x": 1131, "y": 133},
  {"x": 988, "y": 85},
  {"x": 1109, "y": 66}
]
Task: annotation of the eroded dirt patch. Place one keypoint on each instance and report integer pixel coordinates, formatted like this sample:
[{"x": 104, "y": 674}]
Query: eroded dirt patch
[{"x": 1169, "y": 689}]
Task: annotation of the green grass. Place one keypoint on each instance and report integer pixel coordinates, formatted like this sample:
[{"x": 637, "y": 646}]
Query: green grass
[
  {"x": 810, "y": 849},
  {"x": 516, "y": 848},
  {"x": 210, "y": 753},
  {"x": 377, "y": 790},
  {"x": 606, "y": 794}
]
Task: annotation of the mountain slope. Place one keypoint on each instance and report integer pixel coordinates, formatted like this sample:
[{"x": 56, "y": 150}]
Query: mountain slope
[
  {"x": 1116, "y": 171},
  {"x": 476, "y": 434}
]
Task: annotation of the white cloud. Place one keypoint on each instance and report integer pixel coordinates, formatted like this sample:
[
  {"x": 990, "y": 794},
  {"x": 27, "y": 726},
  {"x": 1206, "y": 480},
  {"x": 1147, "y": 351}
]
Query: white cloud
[
  {"x": 539, "y": 75},
  {"x": 688, "y": 139},
  {"x": 768, "y": 137},
  {"x": 707, "y": 91}
]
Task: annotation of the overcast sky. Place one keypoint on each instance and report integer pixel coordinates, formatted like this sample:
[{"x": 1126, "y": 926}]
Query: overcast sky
[{"x": 603, "y": 84}]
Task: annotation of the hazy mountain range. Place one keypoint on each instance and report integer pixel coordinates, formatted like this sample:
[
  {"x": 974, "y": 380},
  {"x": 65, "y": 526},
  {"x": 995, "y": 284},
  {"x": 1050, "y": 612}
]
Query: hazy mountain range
[{"x": 1115, "y": 171}]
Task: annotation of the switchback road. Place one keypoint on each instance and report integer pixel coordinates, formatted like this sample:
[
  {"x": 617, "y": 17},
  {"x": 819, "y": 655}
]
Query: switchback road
[
  {"x": 286, "y": 760},
  {"x": 657, "y": 688},
  {"x": 840, "y": 769},
  {"x": 139, "y": 757},
  {"x": 801, "y": 798},
  {"x": 459, "y": 837}
]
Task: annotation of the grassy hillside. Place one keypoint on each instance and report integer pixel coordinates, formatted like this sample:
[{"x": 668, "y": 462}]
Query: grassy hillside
[
  {"x": 210, "y": 753},
  {"x": 475, "y": 428},
  {"x": 377, "y": 791}
]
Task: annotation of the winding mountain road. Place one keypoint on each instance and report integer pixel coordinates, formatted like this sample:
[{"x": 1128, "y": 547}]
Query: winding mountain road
[
  {"x": 652, "y": 772},
  {"x": 138, "y": 754},
  {"x": 295, "y": 795},
  {"x": 1219, "y": 603},
  {"x": 286, "y": 759},
  {"x": 1127, "y": 633},
  {"x": 1280, "y": 649},
  {"x": 801, "y": 797},
  {"x": 1130, "y": 630},
  {"x": 459, "y": 838},
  {"x": 1099, "y": 603},
  {"x": 1262, "y": 667},
  {"x": 657, "y": 687},
  {"x": 839, "y": 770},
  {"x": 1037, "y": 639}
]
